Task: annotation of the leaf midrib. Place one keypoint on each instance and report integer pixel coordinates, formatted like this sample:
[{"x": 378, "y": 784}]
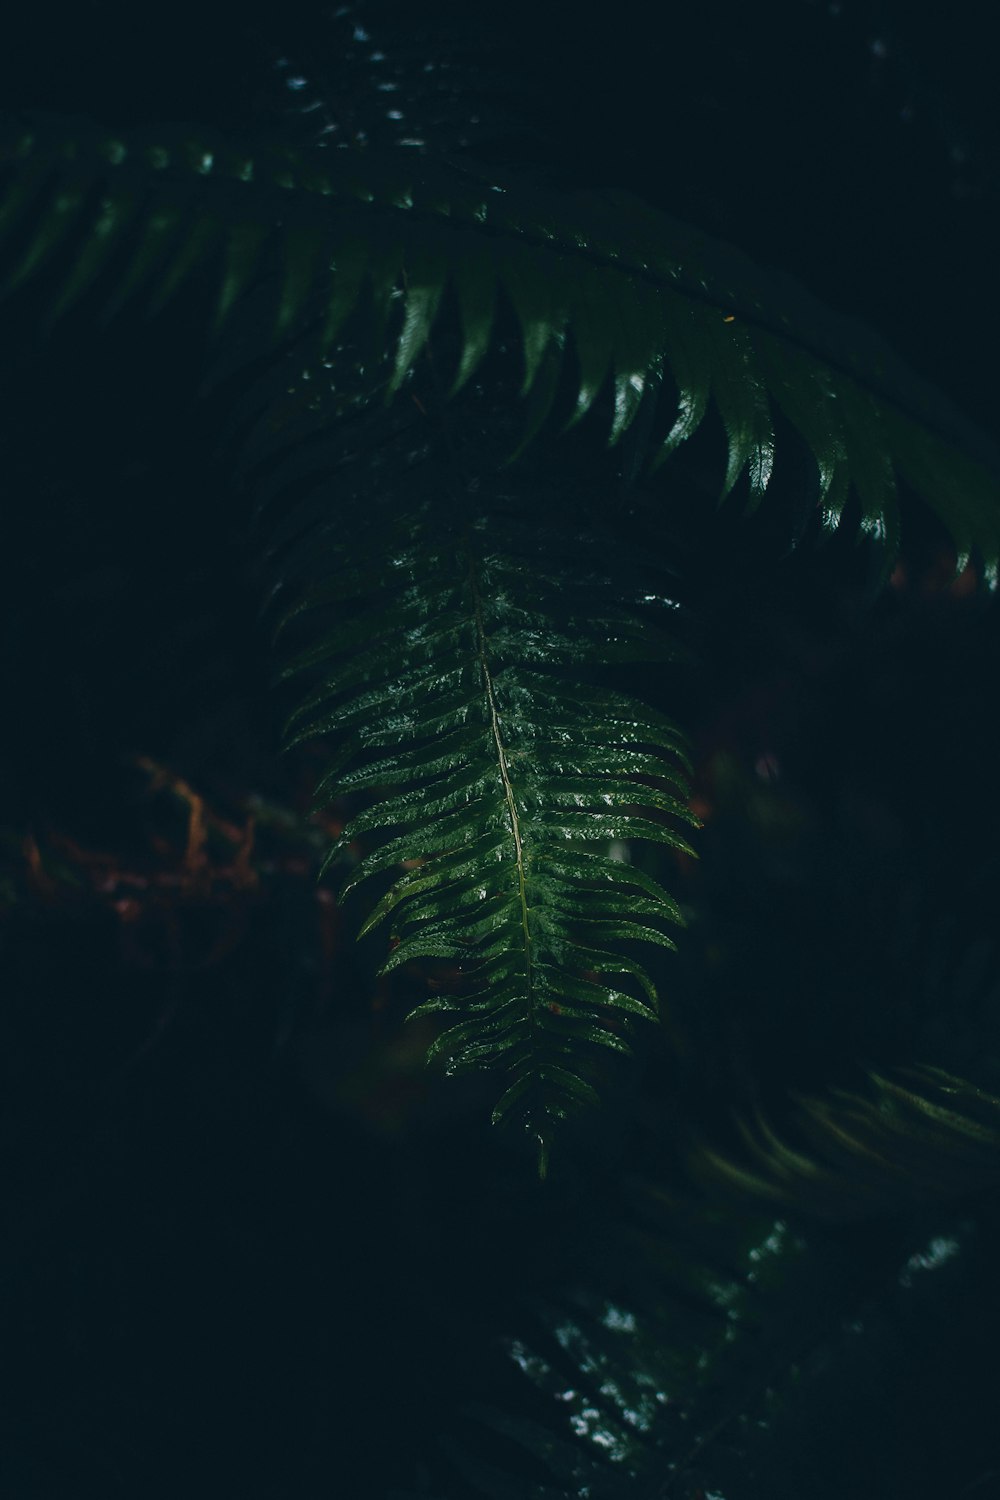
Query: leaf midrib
[{"x": 512, "y": 812}]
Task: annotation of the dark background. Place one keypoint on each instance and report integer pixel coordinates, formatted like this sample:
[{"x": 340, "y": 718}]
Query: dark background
[{"x": 250, "y": 1246}]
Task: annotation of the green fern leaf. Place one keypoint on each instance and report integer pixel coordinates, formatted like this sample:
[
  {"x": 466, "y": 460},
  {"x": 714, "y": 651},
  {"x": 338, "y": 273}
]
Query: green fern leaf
[
  {"x": 488, "y": 770},
  {"x": 633, "y": 293},
  {"x": 903, "y": 1136}
]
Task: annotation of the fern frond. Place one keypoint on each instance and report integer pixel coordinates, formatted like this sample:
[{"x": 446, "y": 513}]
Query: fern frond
[
  {"x": 608, "y": 296},
  {"x": 701, "y": 1352},
  {"x": 906, "y": 1135},
  {"x": 449, "y": 676}
]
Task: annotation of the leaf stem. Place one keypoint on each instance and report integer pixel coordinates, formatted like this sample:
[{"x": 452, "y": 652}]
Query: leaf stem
[{"x": 501, "y": 749}]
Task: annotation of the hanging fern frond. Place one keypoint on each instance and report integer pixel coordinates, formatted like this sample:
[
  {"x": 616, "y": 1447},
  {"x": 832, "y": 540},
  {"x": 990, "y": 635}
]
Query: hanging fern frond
[
  {"x": 609, "y": 292},
  {"x": 453, "y": 669}
]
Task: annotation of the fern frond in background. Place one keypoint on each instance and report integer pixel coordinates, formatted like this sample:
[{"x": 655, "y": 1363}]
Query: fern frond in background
[
  {"x": 913, "y": 1136},
  {"x": 631, "y": 294},
  {"x": 703, "y": 1353}
]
